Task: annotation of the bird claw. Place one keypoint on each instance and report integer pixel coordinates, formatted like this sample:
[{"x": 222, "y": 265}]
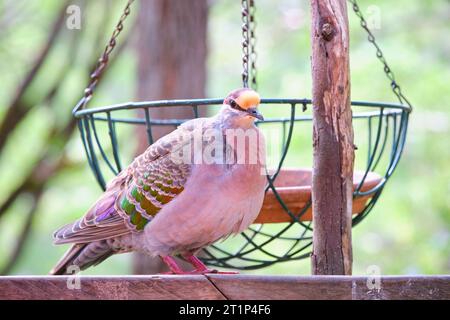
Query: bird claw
[
  {"x": 167, "y": 273},
  {"x": 213, "y": 271},
  {"x": 200, "y": 268},
  {"x": 198, "y": 272},
  {"x": 171, "y": 273}
]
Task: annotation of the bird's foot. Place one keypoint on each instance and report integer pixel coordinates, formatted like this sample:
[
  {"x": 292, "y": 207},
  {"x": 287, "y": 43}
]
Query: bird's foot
[
  {"x": 198, "y": 272},
  {"x": 213, "y": 271},
  {"x": 200, "y": 267},
  {"x": 173, "y": 266},
  {"x": 177, "y": 273}
]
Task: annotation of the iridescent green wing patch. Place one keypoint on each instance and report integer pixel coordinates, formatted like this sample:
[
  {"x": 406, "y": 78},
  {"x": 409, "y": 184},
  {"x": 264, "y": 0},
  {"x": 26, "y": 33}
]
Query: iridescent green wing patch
[
  {"x": 135, "y": 218},
  {"x": 153, "y": 188},
  {"x": 154, "y": 179}
]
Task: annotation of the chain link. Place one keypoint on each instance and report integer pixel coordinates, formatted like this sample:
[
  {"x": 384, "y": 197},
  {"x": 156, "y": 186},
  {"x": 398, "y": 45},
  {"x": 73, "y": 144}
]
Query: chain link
[
  {"x": 248, "y": 43},
  {"x": 248, "y": 50},
  {"x": 387, "y": 70},
  {"x": 253, "y": 54},
  {"x": 104, "y": 59}
]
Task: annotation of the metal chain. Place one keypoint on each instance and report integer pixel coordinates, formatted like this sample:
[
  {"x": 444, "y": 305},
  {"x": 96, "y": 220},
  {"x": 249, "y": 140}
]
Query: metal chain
[
  {"x": 248, "y": 43},
  {"x": 387, "y": 70},
  {"x": 248, "y": 49},
  {"x": 104, "y": 59},
  {"x": 253, "y": 54},
  {"x": 245, "y": 42}
]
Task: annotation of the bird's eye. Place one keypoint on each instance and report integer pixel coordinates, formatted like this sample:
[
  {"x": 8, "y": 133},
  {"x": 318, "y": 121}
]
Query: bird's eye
[{"x": 232, "y": 103}]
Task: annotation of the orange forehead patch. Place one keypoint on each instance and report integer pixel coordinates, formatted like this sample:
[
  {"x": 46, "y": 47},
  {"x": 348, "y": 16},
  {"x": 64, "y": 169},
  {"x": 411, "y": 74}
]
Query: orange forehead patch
[{"x": 247, "y": 99}]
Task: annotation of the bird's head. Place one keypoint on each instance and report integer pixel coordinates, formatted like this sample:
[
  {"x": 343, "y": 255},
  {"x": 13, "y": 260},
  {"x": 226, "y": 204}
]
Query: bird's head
[{"x": 242, "y": 104}]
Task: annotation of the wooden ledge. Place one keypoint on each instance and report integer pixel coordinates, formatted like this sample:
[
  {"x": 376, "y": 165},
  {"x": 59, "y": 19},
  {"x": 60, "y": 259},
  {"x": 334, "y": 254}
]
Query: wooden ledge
[{"x": 223, "y": 287}]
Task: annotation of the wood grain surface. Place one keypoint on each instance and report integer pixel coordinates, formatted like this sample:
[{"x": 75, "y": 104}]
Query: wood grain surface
[{"x": 218, "y": 287}]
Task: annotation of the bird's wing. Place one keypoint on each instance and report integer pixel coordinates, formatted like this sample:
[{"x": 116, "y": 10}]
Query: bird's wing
[{"x": 139, "y": 192}]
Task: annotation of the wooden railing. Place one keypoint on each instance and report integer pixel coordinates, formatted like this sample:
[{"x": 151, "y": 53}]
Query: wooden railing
[{"x": 224, "y": 287}]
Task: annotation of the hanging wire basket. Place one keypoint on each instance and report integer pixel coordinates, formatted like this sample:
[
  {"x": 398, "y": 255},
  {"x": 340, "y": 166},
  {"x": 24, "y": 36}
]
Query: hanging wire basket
[{"x": 283, "y": 229}]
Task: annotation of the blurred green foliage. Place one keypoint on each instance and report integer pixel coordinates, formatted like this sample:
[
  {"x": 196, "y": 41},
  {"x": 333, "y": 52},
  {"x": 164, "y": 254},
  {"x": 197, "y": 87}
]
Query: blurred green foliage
[{"x": 408, "y": 230}]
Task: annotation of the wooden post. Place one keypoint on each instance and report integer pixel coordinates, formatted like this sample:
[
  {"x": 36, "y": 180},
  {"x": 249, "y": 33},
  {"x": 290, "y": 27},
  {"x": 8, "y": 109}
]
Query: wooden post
[{"x": 332, "y": 139}]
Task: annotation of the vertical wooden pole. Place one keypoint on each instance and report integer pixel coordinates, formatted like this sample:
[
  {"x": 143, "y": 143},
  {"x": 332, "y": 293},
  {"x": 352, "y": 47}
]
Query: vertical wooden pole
[{"x": 332, "y": 139}]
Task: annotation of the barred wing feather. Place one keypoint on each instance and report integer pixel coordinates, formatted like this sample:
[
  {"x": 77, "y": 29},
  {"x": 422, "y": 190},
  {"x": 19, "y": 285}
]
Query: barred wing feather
[{"x": 138, "y": 193}]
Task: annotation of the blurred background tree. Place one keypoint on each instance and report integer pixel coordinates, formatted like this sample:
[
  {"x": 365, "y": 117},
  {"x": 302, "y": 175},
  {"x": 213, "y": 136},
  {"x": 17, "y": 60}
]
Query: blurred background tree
[
  {"x": 44, "y": 67},
  {"x": 169, "y": 67}
]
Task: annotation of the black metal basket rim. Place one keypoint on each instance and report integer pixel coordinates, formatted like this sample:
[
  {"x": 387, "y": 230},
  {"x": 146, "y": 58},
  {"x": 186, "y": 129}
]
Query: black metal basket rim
[
  {"x": 165, "y": 122},
  {"x": 79, "y": 112}
]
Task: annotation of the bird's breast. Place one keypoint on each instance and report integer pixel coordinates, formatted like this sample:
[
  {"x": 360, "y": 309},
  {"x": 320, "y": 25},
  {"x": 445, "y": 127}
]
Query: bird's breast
[{"x": 217, "y": 200}]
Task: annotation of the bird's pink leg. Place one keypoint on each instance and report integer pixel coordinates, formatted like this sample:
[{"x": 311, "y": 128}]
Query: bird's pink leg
[
  {"x": 173, "y": 266},
  {"x": 201, "y": 268}
]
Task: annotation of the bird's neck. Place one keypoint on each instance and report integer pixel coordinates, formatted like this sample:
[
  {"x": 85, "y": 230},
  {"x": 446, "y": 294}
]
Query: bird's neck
[{"x": 229, "y": 120}]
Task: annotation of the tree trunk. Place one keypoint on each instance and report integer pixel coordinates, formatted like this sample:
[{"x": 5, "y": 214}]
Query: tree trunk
[
  {"x": 171, "y": 65},
  {"x": 332, "y": 139}
]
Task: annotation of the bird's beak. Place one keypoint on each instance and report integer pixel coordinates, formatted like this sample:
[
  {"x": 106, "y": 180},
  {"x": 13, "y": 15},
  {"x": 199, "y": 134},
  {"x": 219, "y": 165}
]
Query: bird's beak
[{"x": 253, "y": 111}]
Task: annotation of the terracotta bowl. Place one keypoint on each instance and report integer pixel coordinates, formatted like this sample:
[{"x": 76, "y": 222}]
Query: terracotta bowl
[{"x": 294, "y": 188}]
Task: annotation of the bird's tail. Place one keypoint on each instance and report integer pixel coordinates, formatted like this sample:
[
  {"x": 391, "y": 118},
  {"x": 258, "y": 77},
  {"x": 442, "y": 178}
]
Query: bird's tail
[{"x": 81, "y": 256}]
